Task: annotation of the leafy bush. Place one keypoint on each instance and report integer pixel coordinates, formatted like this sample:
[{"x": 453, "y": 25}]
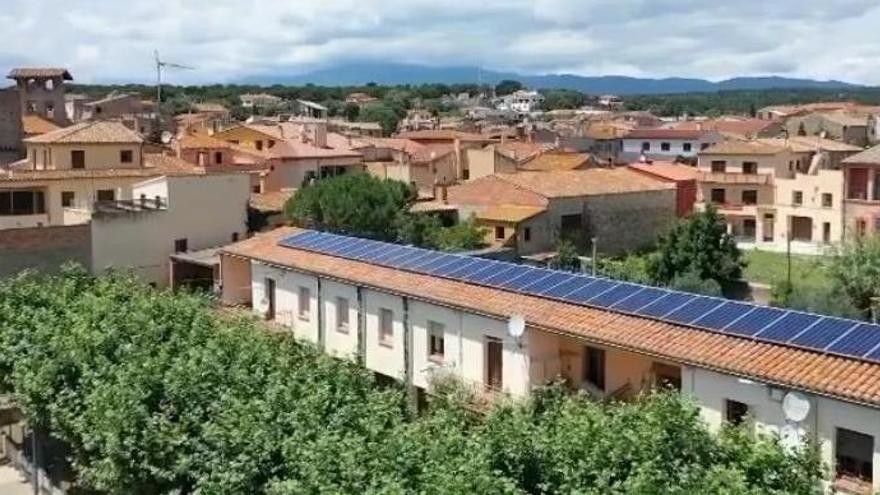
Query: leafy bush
[
  {"x": 567, "y": 257},
  {"x": 155, "y": 392},
  {"x": 855, "y": 269}
]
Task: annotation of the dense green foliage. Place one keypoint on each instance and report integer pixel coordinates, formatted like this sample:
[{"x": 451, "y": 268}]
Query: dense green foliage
[
  {"x": 382, "y": 113},
  {"x": 855, "y": 270},
  {"x": 826, "y": 300},
  {"x": 563, "y": 99},
  {"x": 698, "y": 244},
  {"x": 365, "y": 206},
  {"x": 156, "y": 393},
  {"x": 567, "y": 257},
  {"x": 507, "y": 87}
]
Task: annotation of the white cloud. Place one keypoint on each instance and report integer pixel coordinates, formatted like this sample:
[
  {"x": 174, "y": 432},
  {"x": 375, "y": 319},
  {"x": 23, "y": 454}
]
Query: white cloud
[{"x": 112, "y": 40}]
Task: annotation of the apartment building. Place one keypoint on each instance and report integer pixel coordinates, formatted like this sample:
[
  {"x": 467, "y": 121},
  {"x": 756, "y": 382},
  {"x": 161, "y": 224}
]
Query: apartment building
[
  {"x": 416, "y": 315},
  {"x": 771, "y": 191},
  {"x": 862, "y": 202},
  {"x": 666, "y": 144},
  {"x": 421, "y": 165}
]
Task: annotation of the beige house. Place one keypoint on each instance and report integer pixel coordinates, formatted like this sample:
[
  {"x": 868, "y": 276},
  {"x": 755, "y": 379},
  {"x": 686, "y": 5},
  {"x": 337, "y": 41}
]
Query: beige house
[
  {"x": 424, "y": 166},
  {"x": 862, "y": 203},
  {"x": 416, "y": 328},
  {"x": 67, "y": 172},
  {"x": 771, "y": 191}
]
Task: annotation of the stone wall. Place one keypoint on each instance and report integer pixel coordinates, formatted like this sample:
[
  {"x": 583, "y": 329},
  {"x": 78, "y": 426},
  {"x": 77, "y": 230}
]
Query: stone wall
[
  {"x": 43, "y": 248},
  {"x": 10, "y": 123}
]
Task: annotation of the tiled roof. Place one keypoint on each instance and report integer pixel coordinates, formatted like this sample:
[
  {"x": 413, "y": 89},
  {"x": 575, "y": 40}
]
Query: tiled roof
[
  {"x": 741, "y": 147},
  {"x": 519, "y": 150},
  {"x": 271, "y": 201},
  {"x": 155, "y": 165},
  {"x": 419, "y": 152},
  {"x": 665, "y": 134},
  {"x": 442, "y": 135},
  {"x": 201, "y": 141},
  {"x": 557, "y": 161},
  {"x": 589, "y": 182},
  {"x": 493, "y": 190},
  {"x": 847, "y": 119},
  {"x": 26, "y": 72},
  {"x": 510, "y": 213},
  {"x": 605, "y": 131},
  {"x": 210, "y": 108},
  {"x": 847, "y": 379},
  {"x": 91, "y": 132},
  {"x": 742, "y": 127},
  {"x": 807, "y": 144},
  {"x": 668, "y": 170},
  {"x": 35, "y": 124},
  {"x": 869, "y": 156}
]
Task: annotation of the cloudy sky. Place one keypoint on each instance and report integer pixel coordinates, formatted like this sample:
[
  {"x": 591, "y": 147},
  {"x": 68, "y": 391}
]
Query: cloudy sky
[{"x": 113, "y": 40}]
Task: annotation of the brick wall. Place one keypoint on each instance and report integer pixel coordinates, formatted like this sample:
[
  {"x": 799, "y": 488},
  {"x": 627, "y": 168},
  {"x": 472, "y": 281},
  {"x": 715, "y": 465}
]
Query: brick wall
[{"x": 44, "y": 248}]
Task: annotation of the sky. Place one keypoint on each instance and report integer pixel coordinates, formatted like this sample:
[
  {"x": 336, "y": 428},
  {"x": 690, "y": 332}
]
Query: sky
[{"x": 229, "y": 40}]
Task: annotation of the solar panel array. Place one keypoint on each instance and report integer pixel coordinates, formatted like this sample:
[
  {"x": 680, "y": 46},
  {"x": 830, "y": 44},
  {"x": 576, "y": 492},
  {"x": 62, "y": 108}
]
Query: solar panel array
[{"x": 850, "y": 338}]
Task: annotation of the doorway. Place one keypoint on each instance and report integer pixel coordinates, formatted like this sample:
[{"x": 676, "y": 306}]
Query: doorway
[
  {"x": 494, "y": 363},
  {"x": 270, "y": 297}
]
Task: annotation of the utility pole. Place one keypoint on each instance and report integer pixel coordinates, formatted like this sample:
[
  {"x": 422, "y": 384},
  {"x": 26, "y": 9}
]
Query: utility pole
[
  {"x": 593, "y": 256},
  {"x": 160, "y": 65}
]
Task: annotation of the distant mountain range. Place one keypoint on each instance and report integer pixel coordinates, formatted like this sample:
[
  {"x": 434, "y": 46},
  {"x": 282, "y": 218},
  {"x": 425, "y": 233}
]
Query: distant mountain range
[{"x": 390, "y": 74}]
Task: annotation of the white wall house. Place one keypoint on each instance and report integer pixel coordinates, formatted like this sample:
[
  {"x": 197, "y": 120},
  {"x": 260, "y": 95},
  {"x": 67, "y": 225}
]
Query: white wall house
[
  {"x": 414, "y": 328},
  {"x": 521, "y": 102},
  {"x": 666, "y": 144}
]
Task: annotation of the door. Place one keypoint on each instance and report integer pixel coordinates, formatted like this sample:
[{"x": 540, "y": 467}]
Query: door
[
  {"x": 270, "y": 296},
  {"x": 78, "y": 159},
  {"x": 749, "y": 228},
  {"x": 494, "y": 364}
]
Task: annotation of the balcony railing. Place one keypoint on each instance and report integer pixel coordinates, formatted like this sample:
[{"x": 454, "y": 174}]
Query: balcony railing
[
  {"x": 731, "y": 178},
  {"x": 108, "y": 207}
]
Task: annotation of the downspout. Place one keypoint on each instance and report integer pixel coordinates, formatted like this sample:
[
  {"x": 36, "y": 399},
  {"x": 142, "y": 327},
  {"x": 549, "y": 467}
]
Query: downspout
[
  {"x": 361, "y": 328},
  {"x": 321, "y": 332},
  {"x": 412, "y": 397}
]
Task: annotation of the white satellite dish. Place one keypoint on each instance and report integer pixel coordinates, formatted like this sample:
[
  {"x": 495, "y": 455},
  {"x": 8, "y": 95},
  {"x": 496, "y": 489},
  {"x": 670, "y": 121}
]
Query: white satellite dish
[
  {"x": 795, "y": 406},
  {"x": 516, "y": 326},
  {"x": 166, "y": 137}
]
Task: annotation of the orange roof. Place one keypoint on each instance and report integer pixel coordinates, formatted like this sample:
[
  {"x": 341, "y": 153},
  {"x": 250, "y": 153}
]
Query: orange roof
[
  {"x": 558, "y": 161},
  {"x": 442, "y": 135},
  {"x": 38, "y": 72},
  {"x": 271, "y": 201},
  {"x": 91, "y": 132},
  {"x": 839, "y": 377},
  {"x": 661, "y": 133},
  {"x": 201, "y": 141},
  {"x": 742, "y": 127},
  {"x": 419, "y": 152},
  {"x": 35, "y": 124},
  {"x": 493, "y": 190},
  {"x": 510, "y": 213},
  {"x": 155, "y": 165},
  {"x": 738, "y": 147},
  {"x": 588, "y": 182},
  {"x": 519, "y": 150},
  {"x": 668, "y": 170}
]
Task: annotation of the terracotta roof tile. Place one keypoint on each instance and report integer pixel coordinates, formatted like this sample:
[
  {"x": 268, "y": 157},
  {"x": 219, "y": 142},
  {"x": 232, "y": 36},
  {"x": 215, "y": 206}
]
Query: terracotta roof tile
[
  {"x": 510, "y": 213},
  {"x": 155, "y": 165},
  {"x": 25, "y": 72},
  {"x": 492, "y": 190},
  {"x": 35, "y": 124},
  {"x": 553, "y": 161},
  {"x": 201, "y": 141},
  {"x": 743, "y": 147},
  {"x": 846, "y": 379},
  {"x": 91, "y": 132},
  {"x": 442, "y": 135},
  {"x": 668, "y": 170},
  {"x": 661, "y": 133},
  {"x": 869, "y": 156},
  {"x": 588, "y": 182},
  {"x": 271, "y": 201}
]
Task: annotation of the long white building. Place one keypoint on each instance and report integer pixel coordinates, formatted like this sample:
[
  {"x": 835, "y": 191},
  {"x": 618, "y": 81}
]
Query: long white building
[{"x": 406, "y": 321}]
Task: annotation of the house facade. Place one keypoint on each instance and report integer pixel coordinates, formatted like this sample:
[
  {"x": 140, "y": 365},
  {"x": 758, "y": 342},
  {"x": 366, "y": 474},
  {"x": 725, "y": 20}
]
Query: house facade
[
  {"x": 862, "y": 200},
  {"x": 416, "y": 328},
  {"x": 665, "y": 144}
]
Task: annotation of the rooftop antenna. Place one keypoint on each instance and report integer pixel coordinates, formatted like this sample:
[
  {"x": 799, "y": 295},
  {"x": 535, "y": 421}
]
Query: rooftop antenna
[{"x": 160, "y": 66}]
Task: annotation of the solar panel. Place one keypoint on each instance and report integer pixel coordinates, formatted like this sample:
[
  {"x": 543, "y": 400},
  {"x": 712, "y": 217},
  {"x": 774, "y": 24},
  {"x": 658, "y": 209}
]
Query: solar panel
[
  {"x": 788, "y": 327},
  {"x": 858, "y": 341},
  {"x": 665, "y": 305},
  {"x": 693, "y": 310},
  {"x": 823, "y": 333},
  {"x": 610, "y": 297},
  {"x": 827, "y": 334},
  {"x": 755, "y": 321}
]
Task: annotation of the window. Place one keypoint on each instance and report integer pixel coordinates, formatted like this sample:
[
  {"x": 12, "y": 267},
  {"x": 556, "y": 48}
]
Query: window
[
  {"x": 594, "y": 367},
  {"x": 705, "y": 146},
  {"x": 303, "y": 303},
  {"x": 735, "y": 412},
  {"x": 797, "y": 198},
  {"x": 826, "y": 232},
  {"x": 234, "y": 237},
  {"x": 527, "y": 234},
  {"x": 646, "y": 146},
  {"x": 665, "y": 147},
  {"x": 77, "y": 159},
  {"x": 386, "y": 327},
  {"x": 259, "y": 145},
  {"x": 854, "y": 455},
  {"x": 499, "y": 233},
  {"x": 827, "y": 200},
  {"x": 436, "y": 344},
  {"x": 861, "y": 227},
  {"x": 718, "y": 196},
  {"x": 218, "y": 157},
  {"x": 750, "y": 168},
  {"x": 271, "y": 143},
  {"x": 67, "y": 199},
  {"x": 687, "y": 147},
  {"x": 181, "y": 245},
  {"x": 341, "y": 315},
  {"x": 719, "y": 166},
  {"x": 126, "y": 156},
  {"x": 750, "y": 197},
  {"x": 255, "y": 189},
  {"x": 106, "y": 195},
  {"x": 22, "y": 203}
]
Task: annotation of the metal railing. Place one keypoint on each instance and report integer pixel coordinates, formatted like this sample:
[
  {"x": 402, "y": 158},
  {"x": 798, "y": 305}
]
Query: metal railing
[
  {"x": 735, "y": 178},
  {"x": 129, "y": 205}
]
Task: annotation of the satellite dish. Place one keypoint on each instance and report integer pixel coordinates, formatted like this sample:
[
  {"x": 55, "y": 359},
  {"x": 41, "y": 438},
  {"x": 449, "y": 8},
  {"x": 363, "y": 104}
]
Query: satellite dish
[
  {"x": 166, "y": 137},
  {"x": 516, "y": 326},
  {"x": 795, "y": 406}
]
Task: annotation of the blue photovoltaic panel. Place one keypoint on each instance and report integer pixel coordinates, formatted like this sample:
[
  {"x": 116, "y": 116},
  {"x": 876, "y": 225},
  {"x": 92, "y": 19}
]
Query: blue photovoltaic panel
[
  {"x": 446, "y": 269},
  {"x": 544, "y": 283},
  {"x": 403, "y": 257},
  {"x": 874, "y": 355},
  {"x": 423, "y": 256},
  {"x": 467, "y": 272},
  {"x": 639, "y": 299},
  {"x": 479, "y": 275},
  {"x": 755, "y": 321},
  {"x": 858, "y": 341},
  {"x": 694, "y": 310},
  {"x": 574, "y": 282},
  {"x": 436, "y": 262},
  {"x": 370, "y": 255},
  {"x": 504, "y": 275},
  {"x": 588, "y": 292},
  {"x": 723, "y": 316},
  {"x": 823, "y": 333},
  {"x": 665, "y": 305},
  {"x": 609, "y": 298},
  {"x": 788, "y": 327},
  {"x": 366, "y": 250},
  {"x": 391, "y": 252},
  {"x": 528, "y": 276},
  {"x": 341, "y": 247},
  {"x": 303, "y": 240}
]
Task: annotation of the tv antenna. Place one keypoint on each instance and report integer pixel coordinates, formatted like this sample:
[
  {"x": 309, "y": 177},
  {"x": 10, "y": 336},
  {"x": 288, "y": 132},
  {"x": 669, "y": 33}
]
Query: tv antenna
[{"x": 161, "y": 65}]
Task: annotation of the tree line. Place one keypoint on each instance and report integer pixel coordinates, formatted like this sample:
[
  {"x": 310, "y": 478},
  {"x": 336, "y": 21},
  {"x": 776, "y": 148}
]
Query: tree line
[{"x": 156, "y": 392}]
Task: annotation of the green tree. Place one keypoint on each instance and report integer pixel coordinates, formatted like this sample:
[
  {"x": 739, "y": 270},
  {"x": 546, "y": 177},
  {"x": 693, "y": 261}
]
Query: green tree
[
  {"x": 463, "y": 236},
  {"x": 855, "y": 269},
  {"x": 351, "y": 111},
  {"x": 382, "y": 113},
  {"x": 567, "y": 257},
  {"x": 354, "y": 204},
  {"x": 507, "y": 87},
  {"x": 816, "y": 299},
  {"x": 693, "y": 283},
  {"x": 563, "y": 99},
  {"x": 698, "y": 244}
]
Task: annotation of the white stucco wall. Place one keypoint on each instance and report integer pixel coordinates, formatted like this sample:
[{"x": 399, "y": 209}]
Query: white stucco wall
[
  {"x": 387, "y": 359},
  {"x": 336, "y": 342}
]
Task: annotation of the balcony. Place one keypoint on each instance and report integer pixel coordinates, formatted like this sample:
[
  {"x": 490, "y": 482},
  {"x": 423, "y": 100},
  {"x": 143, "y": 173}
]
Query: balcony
[
  {"x": 732, "y": 178},
  {"x": 119, "y": 206}
]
